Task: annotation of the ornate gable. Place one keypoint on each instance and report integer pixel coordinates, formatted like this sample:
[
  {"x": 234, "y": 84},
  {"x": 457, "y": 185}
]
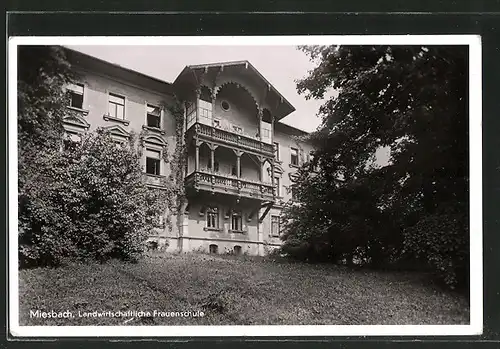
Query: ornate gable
[
  {"x": 118, "y": 133},
  {"x": 75, "y": 124},
  {"x": 156, "y": 140}
]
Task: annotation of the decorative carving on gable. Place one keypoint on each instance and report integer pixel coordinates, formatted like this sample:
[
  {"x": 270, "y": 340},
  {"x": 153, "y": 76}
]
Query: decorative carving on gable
[
  {"x": 228, "y": 81},
  {"x": 117, "y": 130},
  {"x": 154, "y": 139},
  {"x": 75, "y": 124},
  {"x": 76, "y": 120}
]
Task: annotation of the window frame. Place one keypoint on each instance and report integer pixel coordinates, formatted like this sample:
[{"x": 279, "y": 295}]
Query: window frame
[
  {"x": 292, "y": 149},
  {"x": 272, "y": 233},
  {"x": 205, "y": 111},
  {"x": 71, "y": 91},
  {"x": 159, "y": 167},
  {"x": 239, "y": 216},
  {"x": 160, "y": 116},
  {"x": 212, "y": 212},
  {"x": 117, "y": 95}
]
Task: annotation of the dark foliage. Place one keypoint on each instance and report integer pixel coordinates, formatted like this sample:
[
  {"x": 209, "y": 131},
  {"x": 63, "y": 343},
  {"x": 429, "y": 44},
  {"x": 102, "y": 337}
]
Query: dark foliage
[
  {"x": 88, "y": 201},
  {"x": 412, "y": 102}
]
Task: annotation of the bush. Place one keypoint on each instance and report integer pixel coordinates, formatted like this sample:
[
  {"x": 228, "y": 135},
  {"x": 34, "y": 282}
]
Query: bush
[
  {"x": 88, "y": 201},
  {"x": 442, "y": 240}
]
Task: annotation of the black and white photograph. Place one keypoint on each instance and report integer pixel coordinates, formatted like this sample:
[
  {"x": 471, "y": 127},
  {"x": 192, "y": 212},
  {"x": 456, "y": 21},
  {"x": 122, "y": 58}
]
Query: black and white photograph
[{"x": 245, "y": 186}]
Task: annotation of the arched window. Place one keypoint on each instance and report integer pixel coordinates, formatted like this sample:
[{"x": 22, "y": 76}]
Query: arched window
[
  {"x": 237, "y": 250},
  {"x": 213, "y": 249}
]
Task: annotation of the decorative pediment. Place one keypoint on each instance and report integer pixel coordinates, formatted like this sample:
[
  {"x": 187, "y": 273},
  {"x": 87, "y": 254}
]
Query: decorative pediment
[
  {"x": 117, "y": 131},
  {"x": 76, "y": 121},
  {"x": 156, "y": 140}
]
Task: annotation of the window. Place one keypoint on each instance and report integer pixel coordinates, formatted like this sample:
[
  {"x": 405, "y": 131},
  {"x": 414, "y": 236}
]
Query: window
[
  {"x": 116, "y": 107},
  {"x": 213, "y": 249},
  {"x": 225, "y": 105},
  {"x": 190, "y": 114},
  {"x": 278, "y": 186},
  {"x": 75, "y": 92},
  {"x": 153, "y": 116},
  {"x": 275, "y": 225},
  {"x": 294, "y": 157},
  {"x": 236, "y": 221},
  {"x": 205, "y": 112},
  {"x": 213, "y": 218},
  {"x": 276, "y": 151},
  {"x": 237, "y": 250},
  {"x": 153, "y": 162},
  {"x": 315, "y": 167}
]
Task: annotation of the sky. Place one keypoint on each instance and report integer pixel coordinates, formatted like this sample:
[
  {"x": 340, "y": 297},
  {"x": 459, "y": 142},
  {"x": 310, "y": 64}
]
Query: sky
[{"x": 280, "y": 65}]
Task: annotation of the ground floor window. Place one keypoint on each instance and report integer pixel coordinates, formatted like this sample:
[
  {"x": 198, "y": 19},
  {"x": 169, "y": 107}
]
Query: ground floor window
[
  {"x": 213, "y": 248},
  {"x": 275, "y": 225},
  {"x": 212, "y": 218},
  {"x": 236, "y": 221},
  {"x": 237, "y": 250},
  {"x": 153, "y": 161}
]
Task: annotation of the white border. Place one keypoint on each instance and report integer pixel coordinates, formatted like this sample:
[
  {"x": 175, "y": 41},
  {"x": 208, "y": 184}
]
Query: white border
[{"x": 475, "y": 156}]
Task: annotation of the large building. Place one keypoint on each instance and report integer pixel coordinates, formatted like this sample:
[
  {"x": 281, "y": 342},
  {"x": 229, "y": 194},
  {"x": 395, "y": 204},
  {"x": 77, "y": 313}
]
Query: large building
[{"x": 240, "y": 161}]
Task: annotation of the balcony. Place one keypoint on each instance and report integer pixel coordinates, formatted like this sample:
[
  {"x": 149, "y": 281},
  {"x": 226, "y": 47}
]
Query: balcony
[
  {"x": 154, "y": 180},
  {"x": 229, "y": 138},
  {"x": 225, "y": 184}
]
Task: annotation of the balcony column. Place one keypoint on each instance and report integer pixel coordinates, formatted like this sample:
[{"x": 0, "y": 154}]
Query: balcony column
[
  {"x": 213, "y": 98},
  {"x": 259, "y": 116},
  {"x": 238, "y": 166},
  {"x": 212, "y": 155},
  {"x": 197, "y": 157},
  {"x": 261, "y": 168},
  {"x": 198, "y": 94},
  {"x": 238, "y": 154},
  {"x": 272, "y": 130},
  {"x": 272, "y": 177},
  {"x": 212, "y": 159}
]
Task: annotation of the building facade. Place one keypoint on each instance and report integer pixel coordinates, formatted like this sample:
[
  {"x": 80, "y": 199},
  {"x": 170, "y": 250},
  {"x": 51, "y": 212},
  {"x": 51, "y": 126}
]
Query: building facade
[{"x": 240, "y": 159}]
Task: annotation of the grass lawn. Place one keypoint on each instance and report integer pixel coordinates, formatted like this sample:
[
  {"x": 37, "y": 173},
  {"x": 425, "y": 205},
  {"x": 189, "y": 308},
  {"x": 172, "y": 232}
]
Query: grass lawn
[{"x": 235, "y": 290}]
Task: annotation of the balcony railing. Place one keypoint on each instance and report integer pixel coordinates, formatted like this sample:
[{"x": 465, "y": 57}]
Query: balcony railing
[
  {"x": 221, "y": 183},
  {"x": 154, "y": 180},
  {"x": 233, "y": 138}
]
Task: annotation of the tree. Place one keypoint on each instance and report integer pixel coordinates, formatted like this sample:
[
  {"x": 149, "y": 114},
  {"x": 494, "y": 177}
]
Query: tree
[
  {"x": 43, "y": 72},
  {"x": 411, "y": 100}
]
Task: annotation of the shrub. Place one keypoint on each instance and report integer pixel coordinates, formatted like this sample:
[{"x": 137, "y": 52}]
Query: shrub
[
  {"x": 89, "y": 201},
  {"x": 442, "y": 240}
]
